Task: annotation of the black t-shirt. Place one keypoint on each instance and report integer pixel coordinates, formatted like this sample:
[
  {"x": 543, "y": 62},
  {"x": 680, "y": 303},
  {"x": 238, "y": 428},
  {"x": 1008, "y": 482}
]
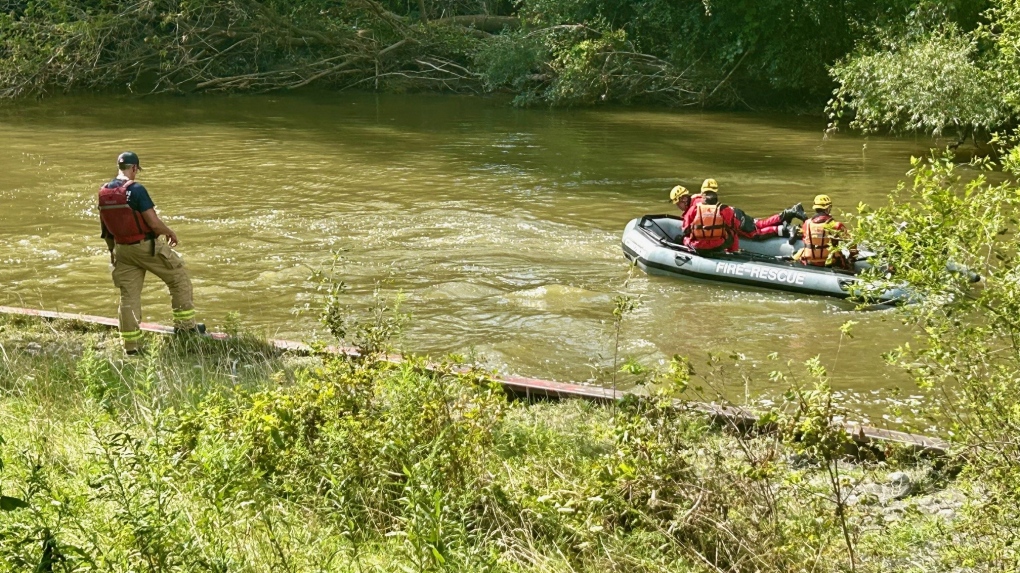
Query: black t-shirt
[{"x": 137, "y": 197}]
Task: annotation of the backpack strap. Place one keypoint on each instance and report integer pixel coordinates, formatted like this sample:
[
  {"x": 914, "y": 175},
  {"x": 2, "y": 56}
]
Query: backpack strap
[{"x": 137, "y": 215}]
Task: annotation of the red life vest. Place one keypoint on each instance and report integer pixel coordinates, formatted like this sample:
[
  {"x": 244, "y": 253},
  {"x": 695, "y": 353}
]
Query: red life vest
[
  {"x": 817, "y": 241},
  {"x": 125, "y": 224},
  {"x": 708, "y": 223}
]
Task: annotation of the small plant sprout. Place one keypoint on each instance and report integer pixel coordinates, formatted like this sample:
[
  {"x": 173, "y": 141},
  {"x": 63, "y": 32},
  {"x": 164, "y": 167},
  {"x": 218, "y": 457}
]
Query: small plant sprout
[{"x": 623, "y": 305}]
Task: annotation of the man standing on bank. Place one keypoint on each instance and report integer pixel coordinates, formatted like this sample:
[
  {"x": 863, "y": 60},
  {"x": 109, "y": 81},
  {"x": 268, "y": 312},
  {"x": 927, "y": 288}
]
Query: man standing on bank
[{"x": 133, "y": 232}]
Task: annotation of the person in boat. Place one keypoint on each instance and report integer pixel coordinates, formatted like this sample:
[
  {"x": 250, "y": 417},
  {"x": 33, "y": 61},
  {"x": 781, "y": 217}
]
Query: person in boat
[
  {"x": 822, "y": 235},
  {"x": 680, "y": 197},
  {"x": 133, "y": 232},
  {"x": 777, "y": 225},
  {"x": 683, "y": 199},
  {"x": 710, "y": 227}
]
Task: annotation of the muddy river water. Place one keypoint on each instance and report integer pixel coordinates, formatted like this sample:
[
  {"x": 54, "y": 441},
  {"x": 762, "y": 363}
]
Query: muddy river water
[{"x": 500, "y": 226}]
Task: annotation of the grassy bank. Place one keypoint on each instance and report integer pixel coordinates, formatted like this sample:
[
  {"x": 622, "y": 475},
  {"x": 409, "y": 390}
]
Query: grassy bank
[{"x": 229, "y": 456}]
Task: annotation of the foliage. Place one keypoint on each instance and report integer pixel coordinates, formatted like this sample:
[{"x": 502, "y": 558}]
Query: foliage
[
  {"x": 930, "y": 75},
  {"x": 928, "y": 84},
  {"x": 623, "y": 306},
  {"x": 509, "y": 60},
  {"x": 260, "y": 461},
  {"x": 9, "y": 503},
  {"x": 369, "y": 335},
  {"x": 721, "y": 52},
  {"x": 967, "y": 356},
  {"x": 216, "y": 45},
  {"x": 814, "y": 428},
  {"x": 559, "y": 52},
  {"x": 1003, "y": 30}
]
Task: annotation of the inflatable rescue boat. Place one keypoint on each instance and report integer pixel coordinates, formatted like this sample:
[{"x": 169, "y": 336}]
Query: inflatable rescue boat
[{"x": 654, "y": 243}]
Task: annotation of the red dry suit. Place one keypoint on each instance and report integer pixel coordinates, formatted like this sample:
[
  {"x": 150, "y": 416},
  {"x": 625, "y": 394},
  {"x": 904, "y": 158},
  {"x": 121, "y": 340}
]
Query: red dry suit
[{"x": 767, "y": 227}]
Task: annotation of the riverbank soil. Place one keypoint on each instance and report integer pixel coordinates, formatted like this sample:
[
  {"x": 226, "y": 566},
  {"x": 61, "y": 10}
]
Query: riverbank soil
[{"x": 231, "y": 456}]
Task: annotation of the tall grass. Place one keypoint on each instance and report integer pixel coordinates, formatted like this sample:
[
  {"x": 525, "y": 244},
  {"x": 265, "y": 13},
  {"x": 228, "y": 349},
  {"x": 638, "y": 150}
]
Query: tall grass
[{"x": 230, "y": 456}]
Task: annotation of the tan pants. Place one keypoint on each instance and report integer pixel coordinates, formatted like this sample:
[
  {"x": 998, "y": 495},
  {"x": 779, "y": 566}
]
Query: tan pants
[{"x": 129, "y": 275}]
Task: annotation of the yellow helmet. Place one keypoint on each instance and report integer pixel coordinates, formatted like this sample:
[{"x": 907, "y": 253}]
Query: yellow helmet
[
  {"x": 822, "y": 202},
  {"x": 710, "y": 185},
  {"x": 677, "y": 193}
]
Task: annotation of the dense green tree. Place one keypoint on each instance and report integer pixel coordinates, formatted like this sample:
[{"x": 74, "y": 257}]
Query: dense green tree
[
  {"x": 930, "y": 74},
  {"x": 560, "y": 52},
  {"x": 718, "y": 53},
  {"x": 930, "y": 84}
]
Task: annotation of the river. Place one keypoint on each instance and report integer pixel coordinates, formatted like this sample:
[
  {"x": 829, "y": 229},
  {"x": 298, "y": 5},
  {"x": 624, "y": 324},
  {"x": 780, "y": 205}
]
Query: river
[{"x": 500, "y": 226}]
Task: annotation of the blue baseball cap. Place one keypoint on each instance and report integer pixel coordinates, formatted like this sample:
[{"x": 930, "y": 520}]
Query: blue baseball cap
[{"x": 128, "y": 158}]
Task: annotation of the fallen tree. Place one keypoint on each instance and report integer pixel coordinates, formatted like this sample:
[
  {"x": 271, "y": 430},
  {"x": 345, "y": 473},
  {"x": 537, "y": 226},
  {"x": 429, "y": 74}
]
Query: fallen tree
[
  {"x": 556, "y": 52},
  {"x": 226, "y": 45}
]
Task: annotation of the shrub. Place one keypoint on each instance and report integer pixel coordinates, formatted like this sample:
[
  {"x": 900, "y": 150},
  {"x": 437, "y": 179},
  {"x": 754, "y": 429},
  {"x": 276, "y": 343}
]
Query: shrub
[{"x": 930, "y": 84}]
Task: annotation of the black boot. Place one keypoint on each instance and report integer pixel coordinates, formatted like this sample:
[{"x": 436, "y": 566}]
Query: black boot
[
  {"x": 795, "y": 212},
  {"x": 788, "y": 230},
  {"x": 198, "y": 329},
  {"x": 793, "y": 232},
  {"x": 798, "y": 212}
]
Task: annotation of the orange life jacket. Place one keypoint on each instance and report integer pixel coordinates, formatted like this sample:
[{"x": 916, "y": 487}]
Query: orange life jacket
[
  {"x": 125, "y": 224},
  {"x": 708, "y": 223},
  {"x": 817, "y": 242}
]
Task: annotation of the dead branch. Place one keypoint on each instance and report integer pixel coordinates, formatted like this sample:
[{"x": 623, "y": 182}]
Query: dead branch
[
  {"x": 725, "y": 79},
  {"x": 325, "y": 73},
  {"x": 395, "y": 21},
  {"x": 483, "y": 22},
  {"x": 395, "y": 46},
  {"x": 306, "y": 35}
]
